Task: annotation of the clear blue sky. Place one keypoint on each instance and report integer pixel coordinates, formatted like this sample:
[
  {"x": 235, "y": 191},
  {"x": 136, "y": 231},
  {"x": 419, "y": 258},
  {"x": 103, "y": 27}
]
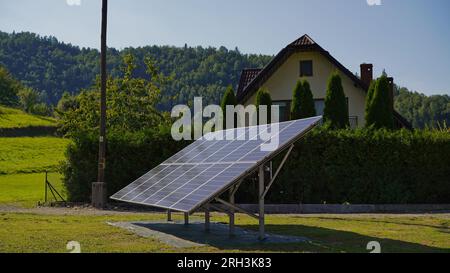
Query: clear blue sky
[{"x": 409, "y": 38}]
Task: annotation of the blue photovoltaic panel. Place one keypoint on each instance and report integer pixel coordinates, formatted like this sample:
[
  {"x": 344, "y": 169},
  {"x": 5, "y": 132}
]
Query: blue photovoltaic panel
[{"x": 205, "y": 168}]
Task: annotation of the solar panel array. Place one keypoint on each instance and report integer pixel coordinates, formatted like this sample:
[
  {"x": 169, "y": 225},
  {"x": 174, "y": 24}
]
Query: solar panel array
[{"x": 205, "y": 168}]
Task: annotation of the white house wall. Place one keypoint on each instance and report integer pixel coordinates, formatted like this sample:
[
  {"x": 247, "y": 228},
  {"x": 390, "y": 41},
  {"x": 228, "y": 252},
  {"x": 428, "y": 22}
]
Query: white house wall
[{"x": 283, "y": 81}]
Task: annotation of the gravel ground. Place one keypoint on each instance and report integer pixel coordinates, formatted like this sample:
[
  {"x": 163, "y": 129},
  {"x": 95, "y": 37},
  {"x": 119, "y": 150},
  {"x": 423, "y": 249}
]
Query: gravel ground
[
  {"x": 77, "y": 210},
  {"x": 88, "y": 210}
]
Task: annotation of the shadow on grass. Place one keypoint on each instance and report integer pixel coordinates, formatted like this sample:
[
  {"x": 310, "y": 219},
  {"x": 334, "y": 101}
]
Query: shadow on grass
[
  {"x": 442, "y": 227},
  {"x": 313, "y": 239},
  {"x": 346, "y": 241}
]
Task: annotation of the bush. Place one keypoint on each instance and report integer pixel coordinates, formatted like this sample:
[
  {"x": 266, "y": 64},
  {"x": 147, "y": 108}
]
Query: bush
[
  {"x": 28, "y": 98},
  {"x": 128, "y": 157},
  {"x": 41, "y": 109}
]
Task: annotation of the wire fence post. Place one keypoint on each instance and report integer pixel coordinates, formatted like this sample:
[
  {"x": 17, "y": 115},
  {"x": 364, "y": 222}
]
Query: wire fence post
[{"x": 53, "y": 191}]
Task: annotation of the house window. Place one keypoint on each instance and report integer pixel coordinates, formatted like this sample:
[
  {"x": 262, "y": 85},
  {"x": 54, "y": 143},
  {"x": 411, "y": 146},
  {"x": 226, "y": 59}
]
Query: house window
[
  {"x": 306, "y": 68},
  {"x": 285, "y": 109}
]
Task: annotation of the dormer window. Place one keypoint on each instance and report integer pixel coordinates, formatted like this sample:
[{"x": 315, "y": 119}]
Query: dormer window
[{"x": 306, "y": 68}]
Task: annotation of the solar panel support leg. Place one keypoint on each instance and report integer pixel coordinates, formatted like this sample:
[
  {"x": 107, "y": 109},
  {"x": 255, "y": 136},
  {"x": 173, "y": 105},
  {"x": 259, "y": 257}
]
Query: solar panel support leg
[
  {"x": 272, "y": 179},
  {"x": 207, "y": 219},
  {"x": 262, "y": 235},
  {"x": 186, "y": 218},
  {"x": 169, "y": 215},
  {"x": 237, "y": 208},
  {"x": 232, "y": 213}
]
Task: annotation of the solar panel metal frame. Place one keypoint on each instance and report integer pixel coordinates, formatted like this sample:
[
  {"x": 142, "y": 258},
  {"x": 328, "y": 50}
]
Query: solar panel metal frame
[{"x": 257, "y": 164}]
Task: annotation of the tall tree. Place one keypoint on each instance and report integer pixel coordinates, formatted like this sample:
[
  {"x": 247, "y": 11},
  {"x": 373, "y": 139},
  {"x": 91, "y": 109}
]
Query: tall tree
[
  {"x": 380, "y": 113},
  {"x": 228, "y": 99},
  {"x": 296, "y": 101},
  {"x": 336, "y": 107},
  {"x": 302, "y": 101},
  {"x": 9, "y": 88},
  {"x": 263, "y": 98},
  {"x": 131, "y": 104},
  {"x": 307, "y": 107}
]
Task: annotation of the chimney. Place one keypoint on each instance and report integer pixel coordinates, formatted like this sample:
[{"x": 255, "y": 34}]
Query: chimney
[
  {"x": 391, "y": 92},
  {"x": 367, "y": 73}
]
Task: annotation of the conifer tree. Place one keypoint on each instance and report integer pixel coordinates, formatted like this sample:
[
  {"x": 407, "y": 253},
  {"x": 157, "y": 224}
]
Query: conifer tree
[
  {"x": 380, "y": 113},
  {"x": 336, "y": 108},
  {"x": 296, "y": 98},
  {"x": 228, "y": 99},
  {"x": 302, "y": 101},
  {"x": 263, "y": 98},
  {"x": 307, "y": 108}
]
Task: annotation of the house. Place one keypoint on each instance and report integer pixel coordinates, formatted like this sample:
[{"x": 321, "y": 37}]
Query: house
[{"x": 305, "y": 59}]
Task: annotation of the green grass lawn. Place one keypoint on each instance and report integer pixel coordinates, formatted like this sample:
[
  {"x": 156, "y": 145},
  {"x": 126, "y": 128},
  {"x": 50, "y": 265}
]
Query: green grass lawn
[
  {"x": 50, "y": 233},
  {"x": 25, "y": 190},
  {"x": 14, "y": 118},
  {"x": 31, "y": 154},
  {"x": 22, "y": 163},
  {"x": 346, "y": 233}
]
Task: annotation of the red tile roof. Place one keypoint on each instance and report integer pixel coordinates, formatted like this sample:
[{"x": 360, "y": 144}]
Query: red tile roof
[
  {"x": 305, "y": 40},
  {"x": 247, "y": 76}
]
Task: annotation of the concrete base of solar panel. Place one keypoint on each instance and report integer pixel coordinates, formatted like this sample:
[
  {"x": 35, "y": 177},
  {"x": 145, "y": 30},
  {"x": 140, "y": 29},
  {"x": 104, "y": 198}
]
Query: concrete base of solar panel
[{"x": 193, "y": 235}]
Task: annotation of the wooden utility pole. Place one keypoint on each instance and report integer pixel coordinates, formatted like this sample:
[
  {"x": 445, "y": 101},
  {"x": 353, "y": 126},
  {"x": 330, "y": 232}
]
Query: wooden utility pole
[{"x": 99, "y": 187}]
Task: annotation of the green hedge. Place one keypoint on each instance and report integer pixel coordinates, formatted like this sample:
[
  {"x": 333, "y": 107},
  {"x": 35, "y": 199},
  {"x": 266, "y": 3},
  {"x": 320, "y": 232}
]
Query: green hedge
[
  {"x": 367, "y": 167},
  {"x": 362, "y": 166},
  {"x": 30, "y": 131},
  {"x": 128, "y": 157}
]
